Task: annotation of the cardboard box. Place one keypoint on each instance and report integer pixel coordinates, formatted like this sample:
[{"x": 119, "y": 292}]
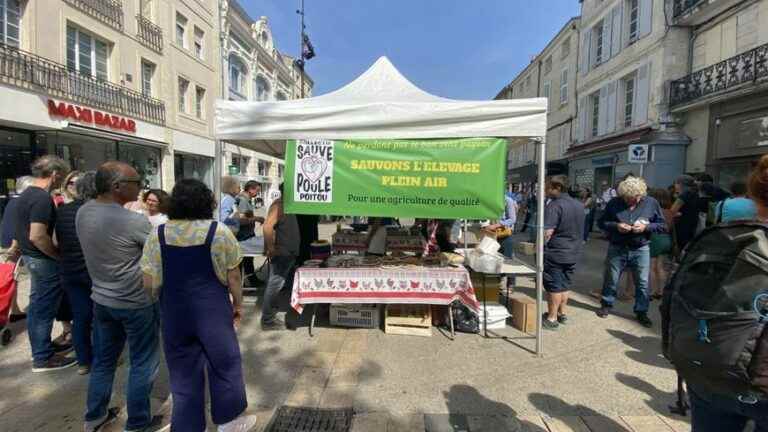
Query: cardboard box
[
  {"x": 523, "y": 310},
  {"x": 526, "y": 248},
  {"x": 492, "y": 286}
]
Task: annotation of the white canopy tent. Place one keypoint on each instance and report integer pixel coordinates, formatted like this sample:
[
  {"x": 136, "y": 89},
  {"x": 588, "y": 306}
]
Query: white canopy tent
[{"x": 382, "y": 103}]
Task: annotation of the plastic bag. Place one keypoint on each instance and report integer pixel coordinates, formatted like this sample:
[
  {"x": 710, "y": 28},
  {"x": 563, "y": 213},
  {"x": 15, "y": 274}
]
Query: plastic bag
[{"x": 464, "y": 320}]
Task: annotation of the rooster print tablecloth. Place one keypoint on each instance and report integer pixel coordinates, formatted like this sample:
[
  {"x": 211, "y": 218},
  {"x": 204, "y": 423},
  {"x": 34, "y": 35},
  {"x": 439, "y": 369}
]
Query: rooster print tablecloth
[{"x": 400, "y": 285}]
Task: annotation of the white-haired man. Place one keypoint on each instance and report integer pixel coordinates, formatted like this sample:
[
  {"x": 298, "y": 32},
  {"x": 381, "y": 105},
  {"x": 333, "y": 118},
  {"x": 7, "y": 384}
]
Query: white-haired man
[{"x": 629, "y": 220}]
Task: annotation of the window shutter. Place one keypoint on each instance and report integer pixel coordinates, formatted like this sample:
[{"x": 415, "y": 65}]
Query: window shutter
[
  {"x": 607, "y": 36},
  {"x": 642, "y": 94},
  {"x": 584, "y": 52},
  {"x": 618, "y": 19},
  {"x": 581, "y": 124},
  {"x": 602, "y": 112},
  {"x": 611, "y": 107},
  {"x": 646, "y": 15}
]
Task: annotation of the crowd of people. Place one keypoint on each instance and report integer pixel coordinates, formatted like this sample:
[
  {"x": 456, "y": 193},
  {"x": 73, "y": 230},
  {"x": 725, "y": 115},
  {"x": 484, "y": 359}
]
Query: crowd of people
[
  {"x": 130, "y": 267},
  {"x": 120, "y": 266}
]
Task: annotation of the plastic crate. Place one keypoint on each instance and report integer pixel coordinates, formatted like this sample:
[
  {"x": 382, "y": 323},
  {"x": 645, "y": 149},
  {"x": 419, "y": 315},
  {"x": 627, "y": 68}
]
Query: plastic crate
[{"x": 361, "y": 316}]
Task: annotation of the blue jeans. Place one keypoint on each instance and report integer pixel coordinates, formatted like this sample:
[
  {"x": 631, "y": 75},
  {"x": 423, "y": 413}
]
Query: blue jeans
[
  {"x": 508, "y": 247},
  {"x": 280, "y": 268},
  {"x": 111, "y": 328},
  {"x": 78, "y": 289},
  {"x": 719, "y": 414},
  {"x": 620, "y": 258},
  {"x": 44, "y": 298}
]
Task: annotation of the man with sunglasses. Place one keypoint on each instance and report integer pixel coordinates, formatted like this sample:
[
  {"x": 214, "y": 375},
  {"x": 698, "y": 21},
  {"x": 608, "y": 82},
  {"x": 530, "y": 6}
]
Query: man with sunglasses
[{"x": 112, "y": 239}]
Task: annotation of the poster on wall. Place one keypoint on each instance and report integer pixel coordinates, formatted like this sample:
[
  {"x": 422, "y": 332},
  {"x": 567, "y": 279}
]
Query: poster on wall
[{"x": 437, "y": 178}]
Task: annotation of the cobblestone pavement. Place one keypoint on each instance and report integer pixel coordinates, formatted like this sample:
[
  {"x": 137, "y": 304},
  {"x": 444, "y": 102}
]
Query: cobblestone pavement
[{"x": 595, "y": 375}]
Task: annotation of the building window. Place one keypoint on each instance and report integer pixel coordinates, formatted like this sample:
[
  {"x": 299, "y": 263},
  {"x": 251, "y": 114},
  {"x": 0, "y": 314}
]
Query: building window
[
  {"x": 199, "y": 43},
  {"x": 237, "y": 74},
  {"x": 147, "y": 72},
  {"x": 547, "y": 65},
  {"x": 634, "y": 19},
  {"x": 147, "y": 9},
  {"x": 546, "y": 91},
  {"x": 564, "y": 87},
  {"x": 280, "y": 96},
  {"x": 595, "y": 114},
  {"x": 86, "y": 54},
  {"x": 264, "y": 38},
  {"x": 597, "y": 30},
  {"x": 565, "y": 48},
  {"x": 187, "y": 166},
  {"x": 199, "y": 101},
  {"x": 181, "y": 30},
  {"x": 241, "y": 162},
  {"x": 280, "y": 170},
  {"x": 264, "y": 168},
  {"x": 263, "y": 89},
  {"x": 629, "y": 100},
  {"x": 10, "y": 22},
  {"x": 183, "y": 87},
  {"x": 527, "y": 84}
]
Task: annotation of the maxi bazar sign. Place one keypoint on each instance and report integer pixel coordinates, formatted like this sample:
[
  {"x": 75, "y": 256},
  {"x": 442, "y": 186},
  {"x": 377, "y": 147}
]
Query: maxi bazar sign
[{"x": 90, "y": 116}]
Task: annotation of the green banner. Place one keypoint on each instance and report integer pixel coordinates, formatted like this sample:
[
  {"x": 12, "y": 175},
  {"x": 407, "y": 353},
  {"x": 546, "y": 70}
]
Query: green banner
[{"x": 436, "y": 178}]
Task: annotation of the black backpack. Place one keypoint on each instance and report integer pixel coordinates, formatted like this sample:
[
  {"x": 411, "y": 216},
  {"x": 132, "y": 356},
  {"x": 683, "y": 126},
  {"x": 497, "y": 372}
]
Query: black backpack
[{"x": 714, "y": 312}]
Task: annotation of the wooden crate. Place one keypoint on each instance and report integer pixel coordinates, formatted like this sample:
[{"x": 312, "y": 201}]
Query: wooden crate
[
  {"x": 410, "y": 320},
  {"x": 492, "y": 287}
]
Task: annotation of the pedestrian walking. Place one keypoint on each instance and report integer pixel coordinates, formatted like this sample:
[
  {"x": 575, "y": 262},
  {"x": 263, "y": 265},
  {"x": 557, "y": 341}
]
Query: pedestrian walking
[
  {"x": 156, "y": 203},
  {"x": 660, "y": 245},
  {"x": 73, "y": 273},
  {"x": 230, "y": 188},
  {"x": 9, "y": 244},
  {"x": 737, "y": 208},
  {"x": 112, "y": 239},
  {"x": 35, "y": 221},
  {"x": 589, "y": 203},
  {"x": 563, "y": 232},
  {"x": 194, "y": 262},
  {"x": 281, "y": 242},
  {"x": 630, "y": 219},
  {"x": 686, "y": 209}
]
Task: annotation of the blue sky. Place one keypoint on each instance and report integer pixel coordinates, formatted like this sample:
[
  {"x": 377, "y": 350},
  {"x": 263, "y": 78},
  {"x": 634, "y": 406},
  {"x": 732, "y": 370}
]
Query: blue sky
[{"x": 462, "y": 49}]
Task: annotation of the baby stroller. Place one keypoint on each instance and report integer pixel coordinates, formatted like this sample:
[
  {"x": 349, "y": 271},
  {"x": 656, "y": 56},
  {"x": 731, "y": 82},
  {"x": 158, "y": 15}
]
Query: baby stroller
[{"x": 8, "y": 276}]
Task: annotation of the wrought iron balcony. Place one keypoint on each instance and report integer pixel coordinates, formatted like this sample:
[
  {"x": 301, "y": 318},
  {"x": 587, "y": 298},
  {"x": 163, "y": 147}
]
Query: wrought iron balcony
[
  {"x": 109, "y": 11},
  {"x": 681, "y": 7},
  {"x": 35, "y": 73},
  {"x": 733, "y": 73},
  {"x": 149, "y": 33}
]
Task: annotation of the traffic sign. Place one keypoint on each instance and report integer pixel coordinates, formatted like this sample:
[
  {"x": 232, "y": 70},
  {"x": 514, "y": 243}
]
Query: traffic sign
[{"x": 638, "y": 153}]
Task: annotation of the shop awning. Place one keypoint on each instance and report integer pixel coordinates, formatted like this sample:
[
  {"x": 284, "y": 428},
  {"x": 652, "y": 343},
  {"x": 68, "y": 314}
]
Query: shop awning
[{"x": 381, "y": 103}]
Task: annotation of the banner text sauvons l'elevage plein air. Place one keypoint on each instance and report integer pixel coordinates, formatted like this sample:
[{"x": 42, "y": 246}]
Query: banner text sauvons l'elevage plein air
[{"x": 434, "y": 181}]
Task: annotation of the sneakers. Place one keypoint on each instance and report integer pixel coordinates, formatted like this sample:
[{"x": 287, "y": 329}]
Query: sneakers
[
  {"x": 61, "y": 348},
  {"x": 276, "y": 324},
  {"x": 547, "y": 324},
  {"x": 83, "y": 369},
  {"x": 244, "y": 423},
  {"x": 159, "y": 423},
  {"x": 54, "y": 362},
  {"x": 603, "y": 312},
  {"x": 643, "y": 319},
  {"x": 97, "y": 425},
  {"x": 562, "y": 319}
]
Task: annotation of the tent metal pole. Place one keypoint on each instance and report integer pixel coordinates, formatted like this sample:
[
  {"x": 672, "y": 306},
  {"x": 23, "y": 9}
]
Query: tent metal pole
[{"x": 542, "y": 161}]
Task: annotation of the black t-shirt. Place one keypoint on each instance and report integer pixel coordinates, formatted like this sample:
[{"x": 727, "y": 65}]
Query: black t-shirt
[
  {"x": 688, "y": 221},
  {"x": 565, "y": 215},
  {"x": 71, "y": 259},
  {"x": 35, "y": 206}
]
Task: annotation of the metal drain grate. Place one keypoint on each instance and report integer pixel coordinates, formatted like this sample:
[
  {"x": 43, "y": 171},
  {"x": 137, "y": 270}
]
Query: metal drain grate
[{"x": 298, "y": 419}]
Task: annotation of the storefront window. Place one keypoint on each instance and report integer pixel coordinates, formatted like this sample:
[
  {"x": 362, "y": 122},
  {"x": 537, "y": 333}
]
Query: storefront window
[
  {"x": 146, "y": 160},
  {"x": 84, "y": 152},
  {"x": 733, "y": 173},
  {"x": 196, "y": 167}
]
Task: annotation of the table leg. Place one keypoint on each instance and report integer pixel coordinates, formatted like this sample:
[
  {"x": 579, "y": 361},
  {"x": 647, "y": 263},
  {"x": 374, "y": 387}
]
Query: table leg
[
  {"x": 312, "y": 320},
  {"x": 485, "y": 308},
  {"x": 450, "y": 320}
]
